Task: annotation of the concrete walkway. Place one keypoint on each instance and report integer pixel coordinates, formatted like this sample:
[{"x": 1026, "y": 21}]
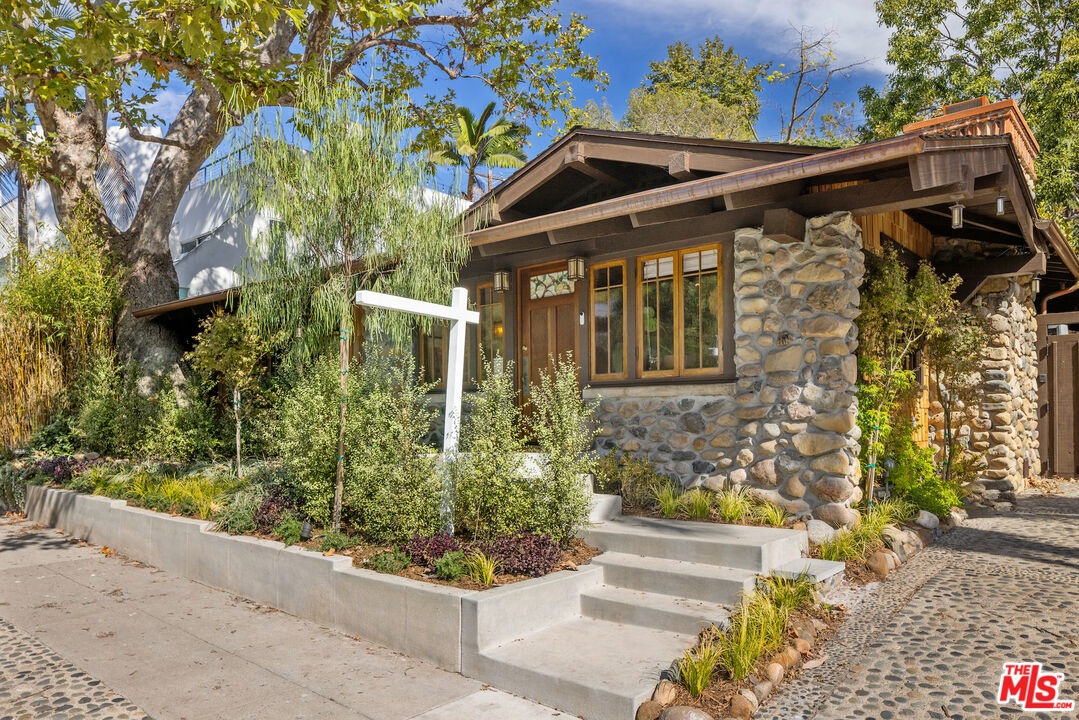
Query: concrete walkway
[
  {"x": 931, "y": 641},
  {"x": 84, "y": 635}
]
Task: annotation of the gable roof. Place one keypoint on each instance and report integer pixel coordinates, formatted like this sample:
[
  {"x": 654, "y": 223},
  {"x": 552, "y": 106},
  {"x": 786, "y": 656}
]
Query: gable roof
[{"x": 587, "y": 165}]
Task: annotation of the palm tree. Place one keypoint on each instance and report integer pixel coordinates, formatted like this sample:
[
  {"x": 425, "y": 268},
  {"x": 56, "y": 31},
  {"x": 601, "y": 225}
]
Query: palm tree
[{"x": 474, "y": 144}]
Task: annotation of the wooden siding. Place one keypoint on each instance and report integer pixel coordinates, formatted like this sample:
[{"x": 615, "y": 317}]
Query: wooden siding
[{"x": 900, "y": 227}]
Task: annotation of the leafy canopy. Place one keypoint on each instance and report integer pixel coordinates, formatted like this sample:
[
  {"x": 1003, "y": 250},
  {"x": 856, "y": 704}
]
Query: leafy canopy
[
  {"x": 237, "y": 55},
  {"x": 475, "y": 143},
  {"x": 944, "y": 51}
]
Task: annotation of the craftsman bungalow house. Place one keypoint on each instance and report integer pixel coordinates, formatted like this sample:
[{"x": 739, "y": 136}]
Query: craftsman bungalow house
[{"x": 707, "y": 289}]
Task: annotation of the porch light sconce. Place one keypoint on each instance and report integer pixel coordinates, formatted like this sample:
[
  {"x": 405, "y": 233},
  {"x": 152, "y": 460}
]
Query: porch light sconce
[
  {"x": 957, "y": 215},
  {"x": 501, "y": 281},
  {"x": 1000, "y": 204},
  {"x": 575, "y": 266},
  {"x": 1035, "y": 285}
]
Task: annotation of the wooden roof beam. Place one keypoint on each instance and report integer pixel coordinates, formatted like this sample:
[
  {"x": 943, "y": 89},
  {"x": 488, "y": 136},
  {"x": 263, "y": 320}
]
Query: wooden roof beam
[
  {"x": 783, "y": 225},
  {"x": 763, "y": 196},
  {"x": 678, "y": 166},
  {"x": 575, "y": 158}
]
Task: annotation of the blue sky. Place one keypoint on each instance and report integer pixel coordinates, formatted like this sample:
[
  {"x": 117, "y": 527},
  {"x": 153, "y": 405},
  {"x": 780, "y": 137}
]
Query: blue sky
[{"x": 627, "y": 34}]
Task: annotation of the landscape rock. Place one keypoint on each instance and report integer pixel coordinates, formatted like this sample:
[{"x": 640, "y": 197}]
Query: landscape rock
[
  {"x": 802, "y": 645},
  {"x": 762, "y": 690},
  {"x": 819, "y": 531},
  {"x": 649, "y": 710},
  {"x": 927, "y": 519},
  {"x": 878, "y": 563},
  {"x": 774, "y": 672},
  {"x": 665, "y": 692},
  {"x": 684, "y": 712}
]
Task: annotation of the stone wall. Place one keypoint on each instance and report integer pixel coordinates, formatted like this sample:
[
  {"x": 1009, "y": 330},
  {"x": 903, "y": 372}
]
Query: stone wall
[
  {"x": 1005, "y": 429},
  {"x": 786, "y": 427}
]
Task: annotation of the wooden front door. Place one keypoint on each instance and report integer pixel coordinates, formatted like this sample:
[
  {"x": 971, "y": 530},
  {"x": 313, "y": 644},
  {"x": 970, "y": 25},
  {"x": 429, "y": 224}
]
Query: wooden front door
[{"x": 548, "y": 321}]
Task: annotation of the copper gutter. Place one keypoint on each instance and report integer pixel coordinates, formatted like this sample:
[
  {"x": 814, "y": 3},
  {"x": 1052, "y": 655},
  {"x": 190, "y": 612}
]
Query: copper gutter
[
  {"x": 1058, "y": 293},
  {"x": 707, "y": 188}
]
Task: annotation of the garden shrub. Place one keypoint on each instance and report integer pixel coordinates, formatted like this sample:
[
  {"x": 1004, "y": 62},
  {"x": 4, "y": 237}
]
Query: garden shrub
[
  {"x": 915, "y": 477},
  {"x": 524, "y": 553},
  {"x": 425, "y": 549},
  {"x": 181, "y": 432},
  {"x": 391, "y": 487},
  {"x": 275, "y": 508},
  {"x": 492, "y": 494},
  {"x": 388, "y": 562},
  {"x": 563, "y": 429},
  {"x": 337, "y": 541},
  {"x": 451, "y": 566},
  {"x": 635, "y": 478},
  {"x": 59, "y": 437},
  {"x": 288, "y": 529},
  {"x": 12, "y": 488}
]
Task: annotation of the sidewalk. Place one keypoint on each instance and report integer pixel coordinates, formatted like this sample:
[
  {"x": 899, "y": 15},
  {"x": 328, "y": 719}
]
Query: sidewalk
[
  {"x": 931, "y": 641},
  {"x": 91, "y": 636}
]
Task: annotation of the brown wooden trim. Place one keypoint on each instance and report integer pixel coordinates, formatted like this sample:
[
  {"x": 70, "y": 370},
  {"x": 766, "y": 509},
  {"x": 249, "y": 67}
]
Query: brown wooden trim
[
  {"x": 499, "y": 299},
  {"x": 594, "y": 376}
]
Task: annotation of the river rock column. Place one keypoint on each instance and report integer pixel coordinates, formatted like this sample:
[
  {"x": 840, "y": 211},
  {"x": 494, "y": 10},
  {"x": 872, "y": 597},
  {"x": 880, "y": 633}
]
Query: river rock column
[
  {"x": 1006, "y": 428},
  {"x": 795, "y": 342}
]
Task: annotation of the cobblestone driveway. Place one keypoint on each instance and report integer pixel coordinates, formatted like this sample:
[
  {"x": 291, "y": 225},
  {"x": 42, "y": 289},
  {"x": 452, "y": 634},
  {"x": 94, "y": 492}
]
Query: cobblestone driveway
[
  {"x": 37, "y": 683},
  {"x": 931, "y": 641}
]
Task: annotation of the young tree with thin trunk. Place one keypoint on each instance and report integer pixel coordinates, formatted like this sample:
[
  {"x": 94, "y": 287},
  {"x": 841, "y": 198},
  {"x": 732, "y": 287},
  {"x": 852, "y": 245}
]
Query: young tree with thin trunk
[
  {"x": 354, "y": 212},
  {"x": 81, "y": 68},
  {"x": 900, "y": 313}
]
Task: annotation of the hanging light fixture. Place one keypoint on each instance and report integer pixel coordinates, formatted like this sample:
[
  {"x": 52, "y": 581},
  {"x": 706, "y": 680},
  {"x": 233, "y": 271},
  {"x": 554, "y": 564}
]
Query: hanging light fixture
[
  {"x": 575, "y": 266},
  {"x": 1035, "y": 285},
  {"x": 957, "y": 215},
  {"x": 1000, "y": 204},
  {"x": 501, "y": 281}
]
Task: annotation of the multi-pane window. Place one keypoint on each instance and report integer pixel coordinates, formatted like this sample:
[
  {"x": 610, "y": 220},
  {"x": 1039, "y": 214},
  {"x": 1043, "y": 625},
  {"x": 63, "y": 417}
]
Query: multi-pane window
[
  {"x": 608, "y": 320},
  {"x": 680, "y": 308},
  {"x": 492, "y": 343},
  {"x": 433, "y": 354}
]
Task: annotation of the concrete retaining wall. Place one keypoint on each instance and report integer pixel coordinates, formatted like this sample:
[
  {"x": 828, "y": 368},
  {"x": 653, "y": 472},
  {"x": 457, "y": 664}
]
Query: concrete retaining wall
[{"x": 416, "y": 618}]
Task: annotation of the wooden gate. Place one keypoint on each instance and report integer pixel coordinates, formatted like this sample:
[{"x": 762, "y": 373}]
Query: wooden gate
[{"x": 1058, "y": 392}]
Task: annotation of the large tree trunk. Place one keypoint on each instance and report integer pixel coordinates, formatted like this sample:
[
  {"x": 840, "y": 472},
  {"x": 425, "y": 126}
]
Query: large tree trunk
[{"x": 142, "y": 250}]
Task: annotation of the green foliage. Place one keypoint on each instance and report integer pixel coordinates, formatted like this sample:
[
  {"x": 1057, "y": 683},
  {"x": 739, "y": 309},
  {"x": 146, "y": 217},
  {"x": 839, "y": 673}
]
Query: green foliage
[
  {"x": 492, "y": 493},
  {"x": 733, "y": 504},
  {"x": 337, "y": 541},
  {"x": 494, "y": 497},
  {"x": 288, "y": 529},
  {"x": 669, "y": 499},
  {"x": 635, "y": 478},
  {"x": 473, "y": 143},
  {"x": 237, "y": 516},
  {"x": 228, "y": 351},
  {"x": 671, "y": 111},
  {"x": 770, "y": 514},
  {"x": 899, "y": 315},
  {"x": 389, "y": 562},
  {"x": 481, "y": 568},
  {"x": 712, "y": 70},
  {"x": 451, "y": 566},
  {"x": 741, "y": 645},
  {"x": 854, "y": 544},
  {"x": 789, "y": 594},
  {"x": 12, "y": 488},
  {"x": 697, "y": 503},
  {"x": 391, "y": 487},
  {"x": 946, "y": 51},
  {"x": 695, "y": 669},
  {"x": 915, "y": 477},
  {"x": 562, "y": 429},
  {"x": 58, "y": 437}
]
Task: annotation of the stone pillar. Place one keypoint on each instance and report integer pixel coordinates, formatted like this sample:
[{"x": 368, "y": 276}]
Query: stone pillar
[
  {"x": 1006, "y": 429},
  {"x": 795, "y": 341}
]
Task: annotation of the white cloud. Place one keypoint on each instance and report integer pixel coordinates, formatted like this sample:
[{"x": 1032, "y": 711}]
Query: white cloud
[
  {"x": 767, "y": 25},
  {"x": 167, "y": 104}
]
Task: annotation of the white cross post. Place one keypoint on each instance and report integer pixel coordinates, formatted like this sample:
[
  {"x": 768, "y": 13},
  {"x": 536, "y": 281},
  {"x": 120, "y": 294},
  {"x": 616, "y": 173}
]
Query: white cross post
[{"x": 458, "y": 314}]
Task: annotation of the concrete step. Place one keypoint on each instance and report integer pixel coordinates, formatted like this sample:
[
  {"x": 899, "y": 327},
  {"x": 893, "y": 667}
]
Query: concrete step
[
  {"x": 737, "y": 546},
  {"x": 652, "y": 610},
  {"x": 825, "y": 574},
  {"x": 592, "y": 668},
  {"x": 697, "y": 581}
]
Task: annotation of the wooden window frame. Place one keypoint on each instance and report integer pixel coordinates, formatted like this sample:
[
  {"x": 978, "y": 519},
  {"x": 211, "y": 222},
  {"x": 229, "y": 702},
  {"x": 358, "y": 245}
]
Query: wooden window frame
[
  {"x": 499, "y": 299},
  {"x": 592, "y": 323},
  {"x": 679, "y": 369},
  {"x": 441, "y": 384}
]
